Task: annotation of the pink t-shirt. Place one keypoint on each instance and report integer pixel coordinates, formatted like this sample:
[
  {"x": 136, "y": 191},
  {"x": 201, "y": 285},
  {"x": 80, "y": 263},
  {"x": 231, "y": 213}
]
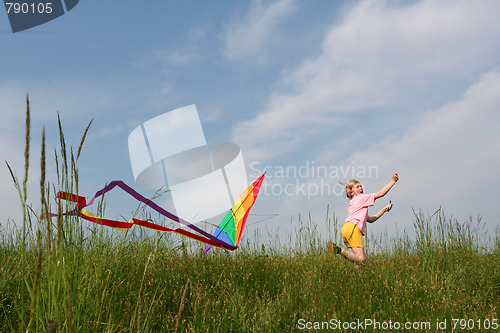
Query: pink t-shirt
[{"x": 358, "y": 210}]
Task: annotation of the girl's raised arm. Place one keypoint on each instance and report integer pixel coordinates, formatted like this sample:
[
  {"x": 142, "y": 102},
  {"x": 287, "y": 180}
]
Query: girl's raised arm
[{"x": 387, "y": 187}]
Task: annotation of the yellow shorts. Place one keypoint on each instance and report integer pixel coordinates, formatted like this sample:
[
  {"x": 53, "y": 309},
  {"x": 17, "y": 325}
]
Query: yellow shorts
[{"x": 352, "y": 235}]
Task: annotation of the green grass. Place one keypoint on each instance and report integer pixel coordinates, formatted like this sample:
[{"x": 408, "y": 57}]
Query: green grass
[
  {"x": 137, "y": 286},
  {"x": 58, "y": 276}
]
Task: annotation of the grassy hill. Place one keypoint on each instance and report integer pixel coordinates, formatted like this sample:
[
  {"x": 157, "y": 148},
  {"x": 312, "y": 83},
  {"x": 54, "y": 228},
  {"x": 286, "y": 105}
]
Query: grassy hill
[{"x": 114, "y": 283}]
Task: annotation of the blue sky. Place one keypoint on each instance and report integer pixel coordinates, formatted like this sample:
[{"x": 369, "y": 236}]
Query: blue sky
[{"x": 405, "y": 86}]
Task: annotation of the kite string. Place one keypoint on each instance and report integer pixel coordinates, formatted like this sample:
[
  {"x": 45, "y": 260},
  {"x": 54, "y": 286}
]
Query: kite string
[
  {"x": 392, "y": 192},
  {"x": 269, "y": 216}
]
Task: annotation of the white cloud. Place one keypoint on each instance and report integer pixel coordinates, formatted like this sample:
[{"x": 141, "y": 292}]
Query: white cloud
[
  {"x": 378, "y": 57},
  {"x": 246, "y": 38},
  {"x": 456, "y": 142},
  {"x": 449, "y": 158}
]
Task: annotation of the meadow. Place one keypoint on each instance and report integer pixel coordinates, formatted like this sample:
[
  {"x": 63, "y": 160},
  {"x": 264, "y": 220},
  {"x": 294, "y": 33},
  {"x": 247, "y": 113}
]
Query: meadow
[{"x": 58, "y": 276}]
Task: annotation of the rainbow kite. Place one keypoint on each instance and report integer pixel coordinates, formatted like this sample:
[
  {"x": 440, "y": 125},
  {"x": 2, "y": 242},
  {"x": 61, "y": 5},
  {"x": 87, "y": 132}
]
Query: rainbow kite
[
  {"x": 227, "y": 235},
  {"x": 231, "y": 227}
]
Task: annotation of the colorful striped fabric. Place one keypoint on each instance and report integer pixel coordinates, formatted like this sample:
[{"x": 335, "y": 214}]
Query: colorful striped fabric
[{"x": 231, "y": 228}]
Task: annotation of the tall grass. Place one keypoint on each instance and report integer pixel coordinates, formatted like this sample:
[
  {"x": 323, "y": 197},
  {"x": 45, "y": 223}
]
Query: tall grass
[{"x": 56, "y": 276}]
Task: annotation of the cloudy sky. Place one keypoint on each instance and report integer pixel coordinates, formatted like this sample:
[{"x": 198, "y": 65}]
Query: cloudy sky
[{"x": 314, "y": 92}]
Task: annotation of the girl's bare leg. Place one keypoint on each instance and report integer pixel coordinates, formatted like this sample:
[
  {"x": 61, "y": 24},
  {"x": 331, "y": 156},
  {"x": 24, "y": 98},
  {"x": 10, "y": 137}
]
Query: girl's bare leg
[{"x": 357, "y": 255}]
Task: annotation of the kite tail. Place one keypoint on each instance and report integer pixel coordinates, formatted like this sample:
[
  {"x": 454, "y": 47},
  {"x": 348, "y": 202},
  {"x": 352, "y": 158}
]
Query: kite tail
[{"x": 227, "y": 235}]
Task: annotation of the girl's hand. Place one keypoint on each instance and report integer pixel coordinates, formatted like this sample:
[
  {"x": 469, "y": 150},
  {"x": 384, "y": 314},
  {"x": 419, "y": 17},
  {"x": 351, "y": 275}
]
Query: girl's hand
[
  {"x": 388, "y": 207},
  {"x": 395, "y": 177}
]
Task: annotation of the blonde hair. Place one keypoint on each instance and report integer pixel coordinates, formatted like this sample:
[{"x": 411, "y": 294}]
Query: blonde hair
[{"x": 348, "y": 187}]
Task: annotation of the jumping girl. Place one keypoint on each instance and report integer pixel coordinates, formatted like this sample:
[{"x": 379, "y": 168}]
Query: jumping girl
[{"x": 355, "y": 225}]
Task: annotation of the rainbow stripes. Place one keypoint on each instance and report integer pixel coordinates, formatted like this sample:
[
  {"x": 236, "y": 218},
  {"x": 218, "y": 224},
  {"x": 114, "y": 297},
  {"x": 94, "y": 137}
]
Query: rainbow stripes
[
  {"x": 235, "y": 220},
  {"x": 231, "y": 228}
]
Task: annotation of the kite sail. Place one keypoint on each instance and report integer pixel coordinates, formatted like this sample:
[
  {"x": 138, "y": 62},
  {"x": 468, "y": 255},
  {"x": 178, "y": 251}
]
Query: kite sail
[
  {"x": 227, "y": 235},
  {"x": 231, "y": 227}
]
